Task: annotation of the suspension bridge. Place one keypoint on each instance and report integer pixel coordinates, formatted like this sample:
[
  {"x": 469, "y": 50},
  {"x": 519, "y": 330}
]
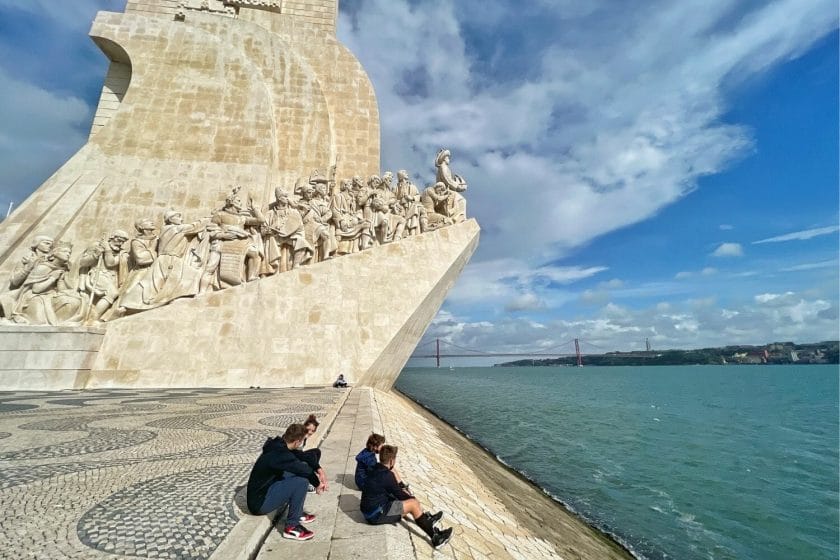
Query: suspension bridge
[{"x": 571, "y": 347}]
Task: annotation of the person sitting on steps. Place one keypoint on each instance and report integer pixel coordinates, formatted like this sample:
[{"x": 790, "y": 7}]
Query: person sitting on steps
[
  {"x": 312, "y": 457},
  {"x": 279, "y": 477},
  {"x": 366, "y": 460},
  {"x": 340, "y": 383},
  {"x": 383, "y": 501}
]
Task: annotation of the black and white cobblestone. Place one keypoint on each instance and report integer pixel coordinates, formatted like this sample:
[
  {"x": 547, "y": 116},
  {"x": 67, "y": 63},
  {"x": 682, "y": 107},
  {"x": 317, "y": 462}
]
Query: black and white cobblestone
[{"x": 133, "y": 473}]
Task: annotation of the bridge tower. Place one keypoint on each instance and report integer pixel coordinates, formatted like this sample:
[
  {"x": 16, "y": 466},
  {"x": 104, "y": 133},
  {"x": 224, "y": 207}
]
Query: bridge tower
[{"x": 577, "y": 353}]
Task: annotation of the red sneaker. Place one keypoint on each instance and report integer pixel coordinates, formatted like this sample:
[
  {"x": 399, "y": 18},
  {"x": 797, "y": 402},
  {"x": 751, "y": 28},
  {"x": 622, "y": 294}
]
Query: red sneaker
[
  {"x": 297, "y": 533},
  {"x": 307, "y": 517}
]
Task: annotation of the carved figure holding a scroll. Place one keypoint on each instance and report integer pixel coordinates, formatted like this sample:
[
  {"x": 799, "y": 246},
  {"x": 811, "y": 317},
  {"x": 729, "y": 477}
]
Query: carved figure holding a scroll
[{"x": 242, "y": 247}]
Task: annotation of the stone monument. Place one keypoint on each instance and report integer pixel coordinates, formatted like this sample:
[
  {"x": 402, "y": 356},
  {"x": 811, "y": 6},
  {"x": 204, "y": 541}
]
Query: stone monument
[{"x": 226, "y": 224}]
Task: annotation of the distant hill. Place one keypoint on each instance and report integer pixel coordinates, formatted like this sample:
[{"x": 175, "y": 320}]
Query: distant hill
[{"x": 775, "y": 353}]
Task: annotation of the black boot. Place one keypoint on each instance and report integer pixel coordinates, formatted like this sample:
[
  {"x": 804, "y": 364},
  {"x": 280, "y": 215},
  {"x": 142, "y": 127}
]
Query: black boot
[
  {"x": 436, "y": 517},
  {"x": 425, "y": 522},
  {"x": 440, "y": 538}
]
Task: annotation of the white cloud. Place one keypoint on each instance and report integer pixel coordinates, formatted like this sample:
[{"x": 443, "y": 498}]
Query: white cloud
[
  {"x": 775, "y": 299},
  {"x": 728, "y": 250},
  {"x": 525, "y": 302},
  {"x": 800, "y": 235},
  {"x": 508, "y": 280},
  {"x": 594, "y": 141},
  {"x": 688, "y": 324},
  {"x": 682, "y": 275},
  {"x": 709, "y": 271},
  {"x": 39, "y": 129},
  {"x": 811, "y": 266}
]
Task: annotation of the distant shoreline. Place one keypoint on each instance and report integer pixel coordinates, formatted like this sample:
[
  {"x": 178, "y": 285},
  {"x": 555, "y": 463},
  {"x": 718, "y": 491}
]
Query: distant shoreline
[{"x": 777, "y": 353}]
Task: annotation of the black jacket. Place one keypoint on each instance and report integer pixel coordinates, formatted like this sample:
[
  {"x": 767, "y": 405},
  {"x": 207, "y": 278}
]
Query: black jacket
[
  {"x": 275, "y": 460},
  {"x": 380, "y": 488}
]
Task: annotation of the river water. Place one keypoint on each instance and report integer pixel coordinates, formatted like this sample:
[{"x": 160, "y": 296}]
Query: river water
[{"x": 687, "y": 462}]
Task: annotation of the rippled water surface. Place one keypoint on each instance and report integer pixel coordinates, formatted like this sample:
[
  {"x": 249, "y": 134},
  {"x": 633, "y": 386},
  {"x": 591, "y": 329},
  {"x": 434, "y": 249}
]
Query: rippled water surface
[{"x": 692, "y": 462}]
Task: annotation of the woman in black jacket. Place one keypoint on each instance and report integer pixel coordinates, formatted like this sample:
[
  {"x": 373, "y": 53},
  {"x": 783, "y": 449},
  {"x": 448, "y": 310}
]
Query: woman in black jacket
[{"x": 279, "y": 477}]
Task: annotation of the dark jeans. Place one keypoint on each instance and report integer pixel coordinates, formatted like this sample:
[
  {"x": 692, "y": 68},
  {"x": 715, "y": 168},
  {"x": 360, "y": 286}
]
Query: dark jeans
[
  {"x": 311, "y": 457},
  {"x": 290, "y": 489}
]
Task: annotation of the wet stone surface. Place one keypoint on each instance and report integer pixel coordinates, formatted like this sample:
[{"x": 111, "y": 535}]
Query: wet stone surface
[{"x": 134, "y": 473}]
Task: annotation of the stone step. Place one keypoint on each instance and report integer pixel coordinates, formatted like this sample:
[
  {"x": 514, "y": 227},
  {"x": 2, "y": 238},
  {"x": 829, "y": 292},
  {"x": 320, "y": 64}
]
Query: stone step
[
  {"x": 47, "y": 357},
  {"x": 340, "y": 529}
]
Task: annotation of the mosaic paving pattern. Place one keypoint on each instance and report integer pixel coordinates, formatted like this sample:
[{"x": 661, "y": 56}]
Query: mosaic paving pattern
[{"x": 134, "y": 474}]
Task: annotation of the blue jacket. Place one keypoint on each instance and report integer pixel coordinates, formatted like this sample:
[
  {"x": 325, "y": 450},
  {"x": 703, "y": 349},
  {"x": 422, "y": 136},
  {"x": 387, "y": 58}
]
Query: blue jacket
[
  {"x": 380, "y": 488},
  {"x": 365, "y": 461},
  {"x": 275, "y": 460}
]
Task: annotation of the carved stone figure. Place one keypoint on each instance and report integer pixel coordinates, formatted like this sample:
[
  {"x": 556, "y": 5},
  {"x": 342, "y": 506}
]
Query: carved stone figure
[
  {"x": 39, "y": 250},
  {"x": 437, "y": 202},
  {"x": 210, "y": 273},
  {"x": 286, "y": 246},
  {"x": 236, "y": 244},
  {"x": 142, "y": 252},
  {"x": 364, "y": 199},
  {"x": 176, "y": 269},
  {"x": 408, "y": 196},
  {"x": 455, "y": 183},
  {"x": 46, "y": 296},
  {"x": 316, "y": 221},
  {"x": 103, "y": 268},
  {"x": 242, "y": 247},
  {"x": 348, "y": 225},
  {"x": 388, "y": 221}
]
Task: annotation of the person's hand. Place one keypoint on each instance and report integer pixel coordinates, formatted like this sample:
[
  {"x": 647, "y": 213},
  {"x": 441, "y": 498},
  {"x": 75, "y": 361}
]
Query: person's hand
[{"x": 321, "y": 488}]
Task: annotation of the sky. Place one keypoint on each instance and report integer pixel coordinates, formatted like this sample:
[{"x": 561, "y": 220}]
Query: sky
[{"x": 661, "y": 171}]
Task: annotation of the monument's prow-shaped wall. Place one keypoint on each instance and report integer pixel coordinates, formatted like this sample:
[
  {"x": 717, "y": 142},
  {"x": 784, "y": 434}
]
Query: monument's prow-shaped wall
[
  {"x": 202, "y": 96},
  {"x": 196, "y": 103}
]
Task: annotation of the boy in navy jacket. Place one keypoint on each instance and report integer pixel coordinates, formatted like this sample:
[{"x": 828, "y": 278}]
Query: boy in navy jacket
[
  {"x": 279, "y": 477},
  {"x": 384, "y": 501}
]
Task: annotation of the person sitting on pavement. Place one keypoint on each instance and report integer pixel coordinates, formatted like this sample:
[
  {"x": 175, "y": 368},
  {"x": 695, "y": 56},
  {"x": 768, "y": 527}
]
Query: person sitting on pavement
[
  {"x": 312, "y": 456},
  {"x": 340, "y": 382},
  {"x": 280, "y": 477},
  {"x": 383, "y": 501},
  {"x": 366, "y": 460}
]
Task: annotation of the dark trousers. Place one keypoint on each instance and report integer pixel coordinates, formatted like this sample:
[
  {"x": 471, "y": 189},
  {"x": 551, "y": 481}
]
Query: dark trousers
[{"x": 290, "y": 490}]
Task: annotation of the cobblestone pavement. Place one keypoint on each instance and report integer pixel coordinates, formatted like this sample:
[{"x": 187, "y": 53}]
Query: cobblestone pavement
[{"x": 134, "y": 473}]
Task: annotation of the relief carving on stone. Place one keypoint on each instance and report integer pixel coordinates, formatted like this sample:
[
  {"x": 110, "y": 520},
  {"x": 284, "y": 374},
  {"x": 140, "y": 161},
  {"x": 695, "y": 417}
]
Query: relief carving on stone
[
  {"x": 123, "y": 274},
  {"x": 211, "y": 6}
]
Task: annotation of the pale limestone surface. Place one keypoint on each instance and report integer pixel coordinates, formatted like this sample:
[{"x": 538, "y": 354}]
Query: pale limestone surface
[
  {"x": 190, "y": 108},
  {"x": 361, "y": 315},
  {"x": 45, "y": 357}
]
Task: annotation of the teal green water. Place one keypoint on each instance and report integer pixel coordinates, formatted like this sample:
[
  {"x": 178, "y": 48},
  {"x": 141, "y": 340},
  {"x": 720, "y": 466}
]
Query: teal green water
[{"x": 690, "y": 462}]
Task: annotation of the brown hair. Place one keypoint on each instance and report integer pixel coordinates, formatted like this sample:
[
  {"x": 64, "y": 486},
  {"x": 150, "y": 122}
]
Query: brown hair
[
  {"x": 293, "y": 433},
  {"x": 312, "y": 420},
  {"x": 387, "y": 453},
  {"x": 374, "y": 441}
]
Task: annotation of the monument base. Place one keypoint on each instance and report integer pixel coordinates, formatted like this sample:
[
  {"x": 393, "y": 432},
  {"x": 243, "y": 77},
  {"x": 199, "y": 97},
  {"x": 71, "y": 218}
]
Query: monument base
[
  {"x": 47, "y": 358},
  {"x": 361, "y": 315}
]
